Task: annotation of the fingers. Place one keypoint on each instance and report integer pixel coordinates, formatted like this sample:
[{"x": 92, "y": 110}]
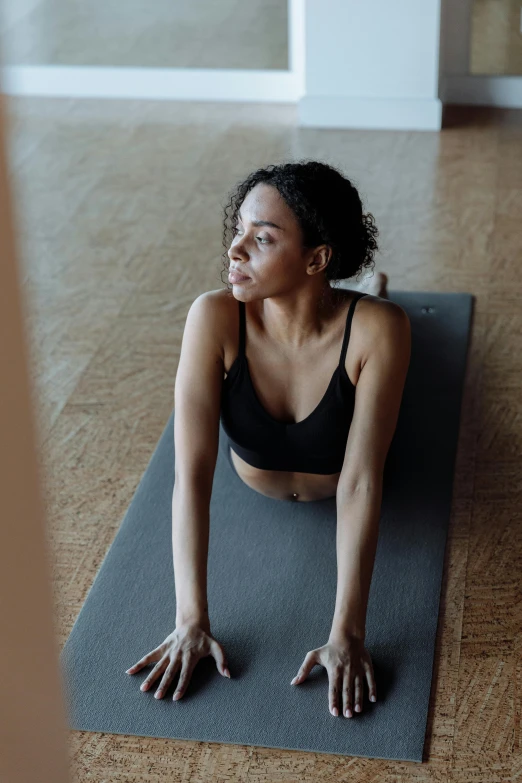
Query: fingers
[
  {"x": 370, "y": 679},
  {"x": 335, "y": 679},
  {"x": 145, "y": 661},
  {"x": 157, "y": 670},
  {"x": 219, "y": 656},
  {"x": 184, "y": 649},
  {"x": 343, "y": 681},
  {"x": 307, "y": 666},
  {"x": 352, "y": 692},
  {"x": 358, "y": 693},
  {"x": 347, "y": 695},
  {"x": 167, "y": 677},
  {"x": 186, "y": 671},
  {"x": 352, "y": 689}
]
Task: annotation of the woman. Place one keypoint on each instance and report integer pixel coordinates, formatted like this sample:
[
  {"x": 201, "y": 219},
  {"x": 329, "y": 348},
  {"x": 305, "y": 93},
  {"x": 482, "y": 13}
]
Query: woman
[{"x": 308, "y": 380}]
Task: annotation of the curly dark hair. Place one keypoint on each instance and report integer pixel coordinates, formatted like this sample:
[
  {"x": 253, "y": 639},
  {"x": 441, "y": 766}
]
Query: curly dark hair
[{"x": 327, "y": 206}]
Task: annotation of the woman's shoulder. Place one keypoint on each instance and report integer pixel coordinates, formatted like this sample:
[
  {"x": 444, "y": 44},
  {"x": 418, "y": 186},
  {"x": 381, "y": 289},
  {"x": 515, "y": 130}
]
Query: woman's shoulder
[
  {"x": 385, "y": 326},
  {"x": 218, "y": 301},
  {"x": 380, "y": 310},
  {"x": 222, "y": 316}
]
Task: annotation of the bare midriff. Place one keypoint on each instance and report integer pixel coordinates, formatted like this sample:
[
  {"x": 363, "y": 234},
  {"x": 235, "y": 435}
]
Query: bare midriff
[{"x": 285, "y": 485}]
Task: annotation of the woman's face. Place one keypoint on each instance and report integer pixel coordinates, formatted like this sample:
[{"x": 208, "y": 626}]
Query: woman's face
[{"x": 271, "y": 256}]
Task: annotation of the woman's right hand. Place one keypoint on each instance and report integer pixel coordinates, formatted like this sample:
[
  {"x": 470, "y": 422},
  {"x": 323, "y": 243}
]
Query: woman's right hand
[{"x": 181, "y": 649}]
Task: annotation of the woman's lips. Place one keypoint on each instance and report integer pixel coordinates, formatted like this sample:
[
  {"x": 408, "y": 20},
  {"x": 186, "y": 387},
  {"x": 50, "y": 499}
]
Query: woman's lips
[{"x": 235, "y": 277}]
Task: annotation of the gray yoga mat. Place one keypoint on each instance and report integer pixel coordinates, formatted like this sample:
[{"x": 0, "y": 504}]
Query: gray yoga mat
[{"x": 272, "y": 583}]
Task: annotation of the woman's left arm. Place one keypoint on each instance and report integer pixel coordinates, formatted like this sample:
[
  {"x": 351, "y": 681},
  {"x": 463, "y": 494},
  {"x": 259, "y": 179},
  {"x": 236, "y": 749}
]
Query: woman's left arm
[
  {"x": 358, "y": 516},
  {"x": 378, "y": 396},
  {"x": 386, "y": 356}
]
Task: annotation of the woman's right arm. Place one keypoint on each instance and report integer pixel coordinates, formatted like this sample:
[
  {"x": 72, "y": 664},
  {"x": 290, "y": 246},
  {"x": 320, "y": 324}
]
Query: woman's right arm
[{"x": 197, "y": 403}]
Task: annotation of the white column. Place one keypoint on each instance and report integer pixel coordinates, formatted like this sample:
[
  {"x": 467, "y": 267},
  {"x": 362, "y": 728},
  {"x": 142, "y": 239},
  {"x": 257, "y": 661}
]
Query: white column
[{"x": 371, "y": 64}]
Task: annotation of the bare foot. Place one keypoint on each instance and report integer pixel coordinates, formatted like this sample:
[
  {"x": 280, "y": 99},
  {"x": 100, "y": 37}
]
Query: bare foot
[{"x": 374, "y": 284}]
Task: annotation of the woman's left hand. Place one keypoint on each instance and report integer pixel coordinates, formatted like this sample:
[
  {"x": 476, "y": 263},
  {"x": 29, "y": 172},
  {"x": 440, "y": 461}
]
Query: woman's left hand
[{"x": 348, "y": 664}]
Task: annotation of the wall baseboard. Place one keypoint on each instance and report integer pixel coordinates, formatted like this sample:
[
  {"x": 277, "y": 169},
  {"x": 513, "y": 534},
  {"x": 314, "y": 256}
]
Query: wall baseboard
[
  {"x": 194, "y": 84},
  {"x": 372, "y": 113},
  {"x": 186, "y": 84},
  {"x": 501, "y": 91}
]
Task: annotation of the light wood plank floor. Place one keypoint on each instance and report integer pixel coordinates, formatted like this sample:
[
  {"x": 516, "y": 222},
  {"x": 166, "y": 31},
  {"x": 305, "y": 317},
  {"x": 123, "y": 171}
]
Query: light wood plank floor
[{"x": 119, "y": 212}]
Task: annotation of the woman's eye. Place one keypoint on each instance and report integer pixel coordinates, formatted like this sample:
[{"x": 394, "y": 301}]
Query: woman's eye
[{"x": 261, "y": 239}]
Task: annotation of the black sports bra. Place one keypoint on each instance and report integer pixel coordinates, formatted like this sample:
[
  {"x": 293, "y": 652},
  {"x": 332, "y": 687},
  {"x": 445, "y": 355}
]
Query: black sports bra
[{"x": 316, "y": 444}]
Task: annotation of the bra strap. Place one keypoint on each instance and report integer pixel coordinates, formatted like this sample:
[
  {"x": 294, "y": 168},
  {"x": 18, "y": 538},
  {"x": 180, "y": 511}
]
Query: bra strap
[
  {"x": 242, "y": 328},
  {"x": 348, "y": 327}
]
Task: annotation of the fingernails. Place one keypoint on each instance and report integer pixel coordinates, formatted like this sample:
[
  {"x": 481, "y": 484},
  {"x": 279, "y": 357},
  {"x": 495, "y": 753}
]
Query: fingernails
[
  {"x": 335, "y": 712},
  {"x": 294, "y": 680},
  {"x": 372, "y": 698},
  {"x": 227, "y": 673}
]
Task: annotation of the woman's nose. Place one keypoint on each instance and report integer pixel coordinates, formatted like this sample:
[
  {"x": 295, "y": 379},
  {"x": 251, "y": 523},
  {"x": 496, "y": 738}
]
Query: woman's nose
[{"x": 236, "y": 250}]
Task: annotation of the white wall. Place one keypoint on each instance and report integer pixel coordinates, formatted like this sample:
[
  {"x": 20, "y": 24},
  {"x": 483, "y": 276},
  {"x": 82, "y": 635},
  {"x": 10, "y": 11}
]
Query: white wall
[
  {"x": 457, "y": 85},
  {"x": 354, "y": 63},
  {"x": 457, "y": 26},
  {"x": 372, "y": 63}
]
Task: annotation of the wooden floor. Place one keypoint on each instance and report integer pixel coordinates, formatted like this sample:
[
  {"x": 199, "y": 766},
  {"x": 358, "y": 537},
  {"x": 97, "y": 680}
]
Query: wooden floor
[{"x": 119, "y": 211}]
